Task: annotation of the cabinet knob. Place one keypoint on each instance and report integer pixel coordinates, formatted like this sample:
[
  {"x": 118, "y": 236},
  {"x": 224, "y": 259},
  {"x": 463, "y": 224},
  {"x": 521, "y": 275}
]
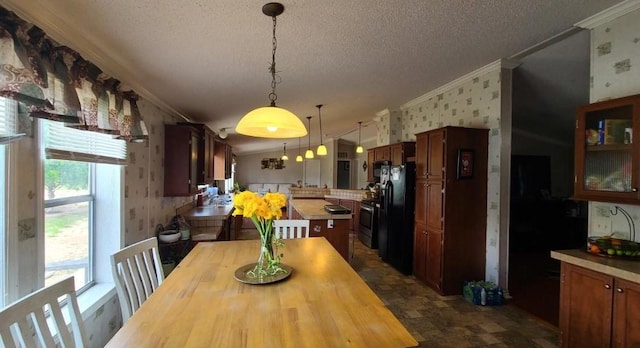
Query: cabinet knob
[
  {"x": 634, "y": 189},
  {"x": 619, "y": 290},
  {"x": 607, "y": 286}
]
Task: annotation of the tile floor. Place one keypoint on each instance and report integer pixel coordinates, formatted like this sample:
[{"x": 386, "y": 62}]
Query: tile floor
[
  {"x": 449, "y": 321},
  {"x": 445, "y": 321}
]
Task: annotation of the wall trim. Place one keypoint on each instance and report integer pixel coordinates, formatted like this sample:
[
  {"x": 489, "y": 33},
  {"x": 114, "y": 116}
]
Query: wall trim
[
  {"x": 498, "y": 64},
  {"x": 609, "y": 14},
  {"x": 38, "y": 14}
]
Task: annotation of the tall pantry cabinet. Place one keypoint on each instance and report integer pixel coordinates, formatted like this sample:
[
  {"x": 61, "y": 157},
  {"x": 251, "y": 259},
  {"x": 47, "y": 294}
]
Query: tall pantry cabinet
[{"x": 451, "y": 207}]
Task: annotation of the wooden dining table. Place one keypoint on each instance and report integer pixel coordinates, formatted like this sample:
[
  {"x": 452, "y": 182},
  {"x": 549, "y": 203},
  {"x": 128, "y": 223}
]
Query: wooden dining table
[{"x": 323, "y": 303}]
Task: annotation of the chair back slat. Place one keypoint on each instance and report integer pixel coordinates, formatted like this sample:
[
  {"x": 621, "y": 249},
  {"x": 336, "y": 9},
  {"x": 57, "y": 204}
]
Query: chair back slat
[
  {"x": 137, "y": 272},
  {"x": 25, "y": 324},
  {"x": 287, "y": 229}
]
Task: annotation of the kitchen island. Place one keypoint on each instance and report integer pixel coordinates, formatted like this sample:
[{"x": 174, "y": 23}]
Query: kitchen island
[{"x": 334, "y": 227}]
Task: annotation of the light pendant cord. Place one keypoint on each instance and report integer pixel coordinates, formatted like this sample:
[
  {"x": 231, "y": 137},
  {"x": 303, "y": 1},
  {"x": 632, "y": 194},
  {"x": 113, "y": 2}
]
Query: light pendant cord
[{"x": 273, "y": 96}]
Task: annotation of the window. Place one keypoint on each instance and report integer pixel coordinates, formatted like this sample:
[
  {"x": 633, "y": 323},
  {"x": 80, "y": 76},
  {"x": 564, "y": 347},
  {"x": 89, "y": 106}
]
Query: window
[
  {"x": 8, "y": 112},
  {"x": 78, "y": 181}
]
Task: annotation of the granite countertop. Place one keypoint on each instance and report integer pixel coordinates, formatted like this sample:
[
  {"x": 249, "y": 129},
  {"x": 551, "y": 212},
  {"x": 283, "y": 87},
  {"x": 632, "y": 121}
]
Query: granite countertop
[
  {"x": 209, "y": 212},
  {"x": 313, "y": 209},
  {"x": 624, "y": 269}
]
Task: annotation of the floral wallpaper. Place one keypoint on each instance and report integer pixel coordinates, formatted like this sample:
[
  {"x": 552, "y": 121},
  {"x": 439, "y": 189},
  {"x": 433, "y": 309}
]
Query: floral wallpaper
[
  {"x": 473, "y": 103},
  {"x": 145, "y": 206},
  {"x": 615, "y": 55}
]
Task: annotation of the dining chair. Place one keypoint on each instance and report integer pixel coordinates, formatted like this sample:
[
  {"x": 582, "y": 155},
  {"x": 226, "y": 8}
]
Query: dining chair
[
  {"x": 287, "y": 229},
  {"x": 25, "y": 324},
  {"x": 137, "y": 272}
]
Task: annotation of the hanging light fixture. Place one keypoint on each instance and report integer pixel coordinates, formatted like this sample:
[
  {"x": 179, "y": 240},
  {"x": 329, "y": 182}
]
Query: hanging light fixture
[
  {"x": 309, "y": 152},
  {"x": 223, "y": 133},
  {"x": 284, "y": 153},
  {"x": 359, "y": 149},
  {"x": 272, "y": 121},
  {"x": 299, "y": 157},
  {"x": 322, "y": 150}
]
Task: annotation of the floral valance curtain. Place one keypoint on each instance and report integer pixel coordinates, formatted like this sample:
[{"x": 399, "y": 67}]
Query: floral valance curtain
[{"x": 56, "y": 83}]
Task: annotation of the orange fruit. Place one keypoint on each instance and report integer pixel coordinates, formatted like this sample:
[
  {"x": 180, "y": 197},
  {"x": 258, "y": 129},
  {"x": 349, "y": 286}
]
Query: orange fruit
[{"x": 595, "y": 249}]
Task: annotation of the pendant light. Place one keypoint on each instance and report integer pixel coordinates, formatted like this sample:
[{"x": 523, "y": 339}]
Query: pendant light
[
  {"x": 299, "y": 157},
  {"x": 359, "y": 149},
  {"x": 284, "y": 153},
  {"x": 272, "y": 121},
  {"x": 322, "y": 150},
  {"x": 309, "y": 152}
]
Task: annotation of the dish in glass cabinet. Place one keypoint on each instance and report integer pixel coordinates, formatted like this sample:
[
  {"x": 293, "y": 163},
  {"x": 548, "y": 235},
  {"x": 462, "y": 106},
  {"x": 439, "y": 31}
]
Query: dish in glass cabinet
[{"x": 241, "y": 275}]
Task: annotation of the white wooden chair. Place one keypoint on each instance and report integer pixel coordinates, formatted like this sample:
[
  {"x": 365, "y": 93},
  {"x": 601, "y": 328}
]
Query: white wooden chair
[
  {"x": 287, "y": 229},
  {"x": 24, "y": 323},
  {"x": 137, "y": 272}
]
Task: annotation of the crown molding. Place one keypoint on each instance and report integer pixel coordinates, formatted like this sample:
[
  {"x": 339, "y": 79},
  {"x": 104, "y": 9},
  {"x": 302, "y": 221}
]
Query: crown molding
[
  {"x": 609, "y": 14},
  {"x": 498, "y": 64},
  {"x": 37, "y": 13}
]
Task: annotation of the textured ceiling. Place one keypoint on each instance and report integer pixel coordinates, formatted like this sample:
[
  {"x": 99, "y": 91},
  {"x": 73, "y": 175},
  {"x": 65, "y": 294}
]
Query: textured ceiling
[{"x": 208, "y": 59}]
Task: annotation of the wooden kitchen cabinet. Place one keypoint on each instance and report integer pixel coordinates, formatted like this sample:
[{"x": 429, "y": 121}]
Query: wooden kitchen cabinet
[
  {"x": 222, "y": 160},
  {"x": 181, "y": 148},
  {"x": 607, "y": 151},
  {"x": 427, "y": 251},
  {"x": 450, "y": 212},
  {"x": 382, "y": 153},
  {"x": 598, "y": 310},
  {"x": 206, "y": 153},
  {"x": 400, "y": 153},
  {"x": 370, "y": 159}
]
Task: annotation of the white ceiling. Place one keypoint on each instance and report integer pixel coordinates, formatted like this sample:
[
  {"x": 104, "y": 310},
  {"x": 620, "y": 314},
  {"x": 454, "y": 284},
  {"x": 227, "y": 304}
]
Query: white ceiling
[{"x": 208, "y": 60}]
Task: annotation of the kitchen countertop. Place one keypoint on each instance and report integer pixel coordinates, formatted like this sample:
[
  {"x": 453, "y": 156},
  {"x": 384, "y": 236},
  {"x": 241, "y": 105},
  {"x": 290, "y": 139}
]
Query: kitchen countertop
[
  {"x": 313, "y": 209},
  {"x": 209, "y": 212},
  {"x": 624, "y": 269}
]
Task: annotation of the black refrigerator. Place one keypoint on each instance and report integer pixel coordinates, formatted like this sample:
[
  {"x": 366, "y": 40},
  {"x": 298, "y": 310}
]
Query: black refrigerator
[{"x": 395, "y": 227}]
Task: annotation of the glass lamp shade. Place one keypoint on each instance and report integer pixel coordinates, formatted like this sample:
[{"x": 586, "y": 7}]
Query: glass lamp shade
[
  {"x": 284, "y": 157},
  {"x": 299, "y": 158},
  {"x": 322, "y": 150},
  {"x": 308, "y": 154},
  {"x": 359, "y": 149},
  {"x": 271, "y": 122}
]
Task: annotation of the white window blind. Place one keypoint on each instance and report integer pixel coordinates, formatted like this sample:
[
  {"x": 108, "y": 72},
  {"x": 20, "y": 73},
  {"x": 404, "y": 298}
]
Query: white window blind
[
  {"x": 65, "y": 143},
  {"x": 8, "y": 121}
]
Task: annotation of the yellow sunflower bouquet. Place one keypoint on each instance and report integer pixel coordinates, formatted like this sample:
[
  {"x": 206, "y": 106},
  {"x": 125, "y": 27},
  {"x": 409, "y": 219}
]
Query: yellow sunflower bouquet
[{"x": 263, "y": 211}]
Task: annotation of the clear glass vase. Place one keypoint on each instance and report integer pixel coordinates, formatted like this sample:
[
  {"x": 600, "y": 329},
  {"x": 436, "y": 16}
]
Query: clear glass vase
[{"x": 268, "y": 260}]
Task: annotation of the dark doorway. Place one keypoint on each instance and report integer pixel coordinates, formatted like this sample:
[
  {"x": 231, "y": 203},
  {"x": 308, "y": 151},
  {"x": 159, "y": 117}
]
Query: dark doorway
[
  {"x": 547, "y": 87},
  {"x": 344, "y": 174}
]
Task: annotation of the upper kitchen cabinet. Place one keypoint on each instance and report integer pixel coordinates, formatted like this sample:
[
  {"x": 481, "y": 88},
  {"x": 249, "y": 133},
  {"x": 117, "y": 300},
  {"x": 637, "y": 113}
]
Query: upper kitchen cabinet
[
  {"x": 370, "y": 159},
  {"x": 430, "y": 155},
  {"x": 607, "y": 151},
  {"x": 223, "y": 159},
  {"x": 401, "y": 152},
  {"x": 206, "y": 153},
  {"x": 181, "y": 146}
]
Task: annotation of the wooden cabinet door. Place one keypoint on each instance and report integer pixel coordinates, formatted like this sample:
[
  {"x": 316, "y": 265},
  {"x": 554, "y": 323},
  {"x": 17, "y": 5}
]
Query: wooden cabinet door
[
  {"x": 222, "y": 159},
  {"x": 434, "y": 207},
  {"x": 435, "y": 157},
  {"x": 370, "y": 159},
  {"x": 209, "y": 155},
  {"x": 421, "y": 155},
  {"x": 349, "y": 204},
  {"x": 180, "y": 160},
  {"x": 585, "y": 307},
  {"x": 396, "y": 154},
  {"x": 382, "y": 153},
  {"x": 420, "y": 214},
  {"x": 626, "y": 309},
  {"x": 433, "y": 272},
  {"x": 420, "y": 252}
]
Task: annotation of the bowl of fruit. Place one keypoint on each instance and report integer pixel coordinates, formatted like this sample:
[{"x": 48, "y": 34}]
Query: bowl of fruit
[{"x": 613, "y": 247}]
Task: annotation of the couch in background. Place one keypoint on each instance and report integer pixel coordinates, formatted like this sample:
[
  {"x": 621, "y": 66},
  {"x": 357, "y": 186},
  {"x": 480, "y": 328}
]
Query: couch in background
[{"x": 276, "y": 187}]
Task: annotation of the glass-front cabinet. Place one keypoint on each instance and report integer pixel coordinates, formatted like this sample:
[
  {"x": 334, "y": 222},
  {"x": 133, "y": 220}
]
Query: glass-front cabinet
[{"x": 607, "y": 151}]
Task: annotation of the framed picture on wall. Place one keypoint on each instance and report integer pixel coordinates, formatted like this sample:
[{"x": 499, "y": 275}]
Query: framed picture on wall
[{"x": 464, "y": 169}]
